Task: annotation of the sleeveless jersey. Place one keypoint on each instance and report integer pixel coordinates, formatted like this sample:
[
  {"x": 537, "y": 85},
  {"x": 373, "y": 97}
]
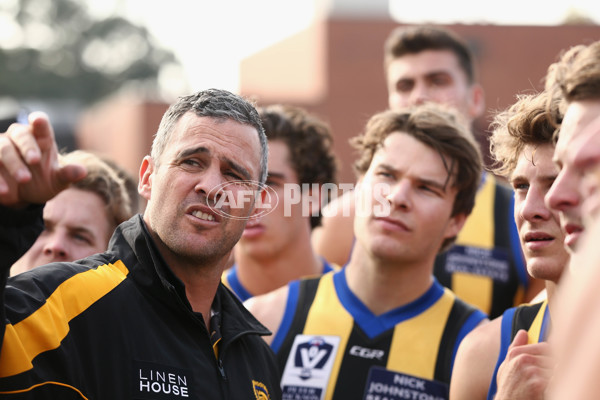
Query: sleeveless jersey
[
  {"x": 231, "y": 280},
  {"x": 485, "y": 267},
  {"x": 534, "y": 318},
  {"x": 330, "y": 346}
]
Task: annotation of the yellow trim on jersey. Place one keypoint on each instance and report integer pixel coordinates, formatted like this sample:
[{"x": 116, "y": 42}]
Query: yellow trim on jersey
[
  {"x": 49, "y": 325},
  {"x": 535, "y": 329},
  {"x": 478, "y": 232},
  {"x": 474, "y": 232},
  {"x": 43, "y": 384},
  {"x": 414, "y": 348},
  {"x": 319, "y": 320}
]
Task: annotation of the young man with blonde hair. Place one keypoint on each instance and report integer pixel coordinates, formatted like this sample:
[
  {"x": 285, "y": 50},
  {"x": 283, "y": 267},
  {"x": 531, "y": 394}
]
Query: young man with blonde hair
[{"x": 508, "y": 357}]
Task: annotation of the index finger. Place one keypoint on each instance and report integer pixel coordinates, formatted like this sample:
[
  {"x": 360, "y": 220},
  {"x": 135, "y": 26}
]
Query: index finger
[{"x": 42, "y": 132}]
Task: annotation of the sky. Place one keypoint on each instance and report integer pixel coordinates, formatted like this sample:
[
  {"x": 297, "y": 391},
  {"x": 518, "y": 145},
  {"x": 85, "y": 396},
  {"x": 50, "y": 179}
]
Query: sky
[
  {"x": 505, "y": 12},
  {"x": 211, "y": 37}
]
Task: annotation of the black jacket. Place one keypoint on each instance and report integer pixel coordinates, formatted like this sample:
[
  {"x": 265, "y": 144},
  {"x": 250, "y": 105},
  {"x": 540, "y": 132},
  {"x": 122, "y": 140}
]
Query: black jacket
[
  {"x": 118, "y": 325},
  {"x": 18, "y": 232}
]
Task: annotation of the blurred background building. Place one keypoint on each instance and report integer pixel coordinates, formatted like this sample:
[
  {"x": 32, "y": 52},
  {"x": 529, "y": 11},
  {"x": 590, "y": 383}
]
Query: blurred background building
[
  {"x": 331, "y": 62},
  {"x": 335, "y": 68}
]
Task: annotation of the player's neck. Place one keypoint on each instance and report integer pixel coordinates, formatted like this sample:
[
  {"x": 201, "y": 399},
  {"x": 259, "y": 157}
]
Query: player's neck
[
  {"x": 262, "y": 275},
  {"x": 550, "y": 295},
  {"x": 382, "y": 286}
]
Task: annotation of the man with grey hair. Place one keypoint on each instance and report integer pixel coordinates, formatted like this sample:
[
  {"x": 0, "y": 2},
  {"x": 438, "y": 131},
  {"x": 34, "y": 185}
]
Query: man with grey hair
[{"x": 149, "y": 317}]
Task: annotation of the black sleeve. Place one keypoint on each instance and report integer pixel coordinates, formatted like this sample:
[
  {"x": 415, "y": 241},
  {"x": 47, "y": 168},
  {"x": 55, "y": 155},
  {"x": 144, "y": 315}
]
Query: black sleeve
[{"x": 18, "y": 231}]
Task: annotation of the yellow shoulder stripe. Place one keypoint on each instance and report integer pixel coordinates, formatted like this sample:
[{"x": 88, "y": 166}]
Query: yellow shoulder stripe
[
  {"x": 478, "y": 231},
  {"x": 319, "y": 320},
  {"x": 535, "y": 329},
  {"x": 49, "y": 325},
  {"x": 43, "y": 384}
]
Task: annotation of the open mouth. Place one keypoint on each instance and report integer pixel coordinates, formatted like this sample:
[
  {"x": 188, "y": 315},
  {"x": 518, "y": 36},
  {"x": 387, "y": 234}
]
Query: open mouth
[
  {"x": 542, "y": 239},
  {"x": 203, "y": 216}
]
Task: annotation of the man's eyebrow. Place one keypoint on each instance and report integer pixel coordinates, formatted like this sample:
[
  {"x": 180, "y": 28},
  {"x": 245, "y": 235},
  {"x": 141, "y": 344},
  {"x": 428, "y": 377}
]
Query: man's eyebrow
[
  {"x": 238, "y": 168},
  {"x": 71, "y": 229},
  {"x": 80, "y": 230},
  {"x": 206, "y": 151},
  {"x": 275, "y": 175},
  {"x": 191, "y": 151},
  {"x": 48, "y": 223},
  {"x": 433, "y": 74},
  {"x": 435, "y": 184},
  {"x": 429, "y": 182},
  {"x": 519, "y": 178}
]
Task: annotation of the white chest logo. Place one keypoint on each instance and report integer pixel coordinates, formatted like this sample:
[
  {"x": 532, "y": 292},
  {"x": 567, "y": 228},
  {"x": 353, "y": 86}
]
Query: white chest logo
[{"x": 308, "y": 366}]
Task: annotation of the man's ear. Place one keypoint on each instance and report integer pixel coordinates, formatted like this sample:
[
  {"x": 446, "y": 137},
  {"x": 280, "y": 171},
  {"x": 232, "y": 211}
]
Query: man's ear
[
  {"x": 477, "y": 102},
  {"x": 146, "y": 175},
  {"x": 455, "y": 225}
]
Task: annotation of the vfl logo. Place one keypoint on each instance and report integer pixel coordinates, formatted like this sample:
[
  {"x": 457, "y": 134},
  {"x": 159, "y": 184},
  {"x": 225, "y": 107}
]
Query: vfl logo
[
  {"x": 260, "y": 391},
  {"x": 312, "y": 355},
  {"x": 240, "y": 194}
]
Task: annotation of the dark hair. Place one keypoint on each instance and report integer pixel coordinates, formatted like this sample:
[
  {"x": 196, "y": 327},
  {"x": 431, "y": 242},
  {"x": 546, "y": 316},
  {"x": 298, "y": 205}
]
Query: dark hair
[
  {"x": 439, "y": 129},
  {"x": 216, "y": 103},
  {"x": 415, "y": 39},
  {"x": 309, "y": 142}
]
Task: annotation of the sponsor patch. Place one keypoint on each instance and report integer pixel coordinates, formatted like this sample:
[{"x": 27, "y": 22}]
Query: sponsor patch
[
  {"x": 383, "y": 384},
  {"x": 492, "y": 263},
  {"x": 308, "y": 367},
  {"x": 161, "y": 382}
]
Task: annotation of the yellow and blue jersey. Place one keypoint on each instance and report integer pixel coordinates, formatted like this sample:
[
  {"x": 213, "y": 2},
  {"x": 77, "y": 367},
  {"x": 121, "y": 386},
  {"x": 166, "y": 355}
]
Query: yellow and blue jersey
[{"x": 330, "y": 345}]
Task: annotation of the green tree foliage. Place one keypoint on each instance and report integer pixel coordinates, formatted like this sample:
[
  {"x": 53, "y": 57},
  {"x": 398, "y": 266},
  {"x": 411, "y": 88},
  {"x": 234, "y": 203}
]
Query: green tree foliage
[{"x": 56, "y": 49}]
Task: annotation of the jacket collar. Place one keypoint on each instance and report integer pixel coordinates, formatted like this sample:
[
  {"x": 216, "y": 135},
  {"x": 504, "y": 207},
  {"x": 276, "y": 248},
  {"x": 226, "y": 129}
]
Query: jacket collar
[{"x": 133, "y": 243}]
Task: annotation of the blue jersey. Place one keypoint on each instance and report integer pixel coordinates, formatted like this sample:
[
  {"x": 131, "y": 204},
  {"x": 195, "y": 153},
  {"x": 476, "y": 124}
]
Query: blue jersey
[
  {"x": 231, "y": 280},
  {"x": 533, "y": 318}
]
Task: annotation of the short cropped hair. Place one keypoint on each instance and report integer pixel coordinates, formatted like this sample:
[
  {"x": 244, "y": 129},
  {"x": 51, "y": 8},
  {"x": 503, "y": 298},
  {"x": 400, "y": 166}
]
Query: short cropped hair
[
  {"x": 438, "y": 128},
  {"x": 219, "y": 104},
  {"x": 415, "y": 39},
  {"x": 530, "y": 121},
  {"x": 309, "y": 142},
  {"x": 104, "y": 181}
]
